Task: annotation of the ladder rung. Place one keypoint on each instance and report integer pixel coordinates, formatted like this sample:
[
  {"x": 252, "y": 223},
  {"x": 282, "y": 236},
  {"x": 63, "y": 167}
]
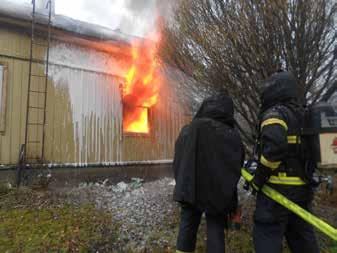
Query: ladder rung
[
  {"x": 36, "y": 91},
  {"x": 38, "y": 75},
  {"x": 33, "y": 142},
  {"x": 40, "y": 44},
  {"x": 35, "y": 124},
  {"x": 35, "y": 107}
]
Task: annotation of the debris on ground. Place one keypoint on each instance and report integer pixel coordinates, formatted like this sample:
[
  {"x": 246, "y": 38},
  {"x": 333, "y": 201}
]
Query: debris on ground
[{"x": 142, "y": 208}]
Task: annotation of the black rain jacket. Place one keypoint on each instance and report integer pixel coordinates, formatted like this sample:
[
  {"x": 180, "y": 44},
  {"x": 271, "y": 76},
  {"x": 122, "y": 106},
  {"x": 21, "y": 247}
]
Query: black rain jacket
[{"x": 208, "y": 158}]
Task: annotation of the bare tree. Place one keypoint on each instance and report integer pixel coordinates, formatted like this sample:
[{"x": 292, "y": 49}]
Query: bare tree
[{"x": 233, "y": 45}]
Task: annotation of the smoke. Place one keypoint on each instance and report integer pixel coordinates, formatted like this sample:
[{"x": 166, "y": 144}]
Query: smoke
[
  {"x": 134, "y": 17},
  {"x": 141, "y": 17}
]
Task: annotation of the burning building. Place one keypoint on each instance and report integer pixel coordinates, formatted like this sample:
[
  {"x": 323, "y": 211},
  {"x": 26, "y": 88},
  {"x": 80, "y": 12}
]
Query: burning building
[{"x": 77, "y": 94}]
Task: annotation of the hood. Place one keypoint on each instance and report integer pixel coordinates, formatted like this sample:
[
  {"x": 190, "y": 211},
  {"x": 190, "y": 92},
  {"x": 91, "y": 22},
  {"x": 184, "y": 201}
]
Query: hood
[
  {"x": 279, "y": 88},
  {"x": 219, "y": 107}
]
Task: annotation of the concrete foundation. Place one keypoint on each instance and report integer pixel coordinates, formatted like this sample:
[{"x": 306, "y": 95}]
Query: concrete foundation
[{"x": 61, "y": 177}]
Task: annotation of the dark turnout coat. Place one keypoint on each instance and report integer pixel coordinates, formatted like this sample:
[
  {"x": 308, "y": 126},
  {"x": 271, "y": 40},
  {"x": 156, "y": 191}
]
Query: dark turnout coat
[{"x": 208, "y": 158}]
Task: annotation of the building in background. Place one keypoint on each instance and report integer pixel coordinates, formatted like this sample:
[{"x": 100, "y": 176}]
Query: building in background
[{"x": 77, "y": 119}]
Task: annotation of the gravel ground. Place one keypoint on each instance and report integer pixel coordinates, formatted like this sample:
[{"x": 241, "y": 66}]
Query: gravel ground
[{"x": 142, "y": 209}]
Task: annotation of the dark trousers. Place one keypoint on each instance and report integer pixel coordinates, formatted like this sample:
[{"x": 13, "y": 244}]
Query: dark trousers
[
  {"x": 189, "y": 222},
  {"x": 272, "y": 222}
]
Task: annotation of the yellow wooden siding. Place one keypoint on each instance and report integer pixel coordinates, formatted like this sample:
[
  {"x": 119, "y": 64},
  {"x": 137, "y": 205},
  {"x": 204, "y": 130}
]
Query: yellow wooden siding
[
  {"x": 13, "y": 135},
  {"x": 83, "y": 113}
]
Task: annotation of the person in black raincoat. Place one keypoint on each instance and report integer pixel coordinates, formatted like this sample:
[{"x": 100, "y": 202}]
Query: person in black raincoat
[
  {"x": 281, "y": 165},
  {"x": 207, "y": 162}
]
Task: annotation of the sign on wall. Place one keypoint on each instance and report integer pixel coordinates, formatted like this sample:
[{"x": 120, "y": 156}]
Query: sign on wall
[{"x": 328, "y": 144}]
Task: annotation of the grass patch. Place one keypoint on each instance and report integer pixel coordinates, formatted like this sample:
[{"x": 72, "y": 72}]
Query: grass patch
[
  {"x": 239, "y": 241},
  {"x": 236, "y": 241},
  {"x": 32, "y": 222},
  {"x": 326, "y": 244}
]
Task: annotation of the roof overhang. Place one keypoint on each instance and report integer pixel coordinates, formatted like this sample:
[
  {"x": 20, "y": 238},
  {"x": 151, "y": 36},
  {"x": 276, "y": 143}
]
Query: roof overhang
[{"x": 66, "y": 29}]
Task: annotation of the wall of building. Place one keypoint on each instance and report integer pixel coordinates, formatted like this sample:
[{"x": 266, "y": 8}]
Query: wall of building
[
  {"x": 84, "y": 109},
  {"x": 15, "y": 45}
]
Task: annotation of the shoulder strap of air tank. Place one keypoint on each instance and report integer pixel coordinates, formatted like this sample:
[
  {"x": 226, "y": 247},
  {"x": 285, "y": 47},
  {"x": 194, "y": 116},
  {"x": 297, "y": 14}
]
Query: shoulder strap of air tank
[
  {"x": 291, "y": 111},
  {"x": 299, "y": 115},
  {"x": 257, "y": 136}
]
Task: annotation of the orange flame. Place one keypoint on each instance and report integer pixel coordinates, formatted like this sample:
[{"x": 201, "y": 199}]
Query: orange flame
[{"x": 141, "y": 88}]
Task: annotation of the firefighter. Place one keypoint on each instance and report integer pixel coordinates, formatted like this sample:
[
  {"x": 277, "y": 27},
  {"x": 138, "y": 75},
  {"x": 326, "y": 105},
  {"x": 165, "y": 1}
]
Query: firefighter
[
  {"x": 207, "y": 161},
  {"x": 281, "y": 165}
]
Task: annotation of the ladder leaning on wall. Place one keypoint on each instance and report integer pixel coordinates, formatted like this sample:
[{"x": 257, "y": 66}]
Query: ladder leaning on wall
[{"x": 32, "y": 151}]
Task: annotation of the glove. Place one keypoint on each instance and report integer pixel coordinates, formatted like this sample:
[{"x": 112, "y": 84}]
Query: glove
[
  {"x": 255, "y": 187},
  {"x": 251, "y": 166},
  {"x": 261, "y": 176}
]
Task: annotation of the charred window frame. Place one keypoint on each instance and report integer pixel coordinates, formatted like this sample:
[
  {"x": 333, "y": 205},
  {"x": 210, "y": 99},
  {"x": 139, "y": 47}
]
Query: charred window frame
[{"x": 3, "y": 95}]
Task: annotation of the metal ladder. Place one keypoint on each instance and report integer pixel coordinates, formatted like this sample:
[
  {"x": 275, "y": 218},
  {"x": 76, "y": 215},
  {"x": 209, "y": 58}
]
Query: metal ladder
[{"x": 35, "y": 111}]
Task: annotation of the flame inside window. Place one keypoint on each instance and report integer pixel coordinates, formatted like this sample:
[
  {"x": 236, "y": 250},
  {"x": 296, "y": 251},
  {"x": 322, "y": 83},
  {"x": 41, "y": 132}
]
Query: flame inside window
[{"x": 137, "y": 122}]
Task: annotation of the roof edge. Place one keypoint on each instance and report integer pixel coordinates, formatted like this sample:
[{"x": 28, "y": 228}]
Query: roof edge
[{"x": 24, "y": 12}]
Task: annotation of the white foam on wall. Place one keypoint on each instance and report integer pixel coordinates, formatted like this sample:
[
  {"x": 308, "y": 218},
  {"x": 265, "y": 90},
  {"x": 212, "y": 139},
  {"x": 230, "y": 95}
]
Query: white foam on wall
[
  {"x": 92, "y": 95},
  {"x": 85, "y": 58}
]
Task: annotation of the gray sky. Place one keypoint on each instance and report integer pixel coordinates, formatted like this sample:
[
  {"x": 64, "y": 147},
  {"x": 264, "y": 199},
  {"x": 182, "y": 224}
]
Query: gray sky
[{"x": 136, "y": 17}]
